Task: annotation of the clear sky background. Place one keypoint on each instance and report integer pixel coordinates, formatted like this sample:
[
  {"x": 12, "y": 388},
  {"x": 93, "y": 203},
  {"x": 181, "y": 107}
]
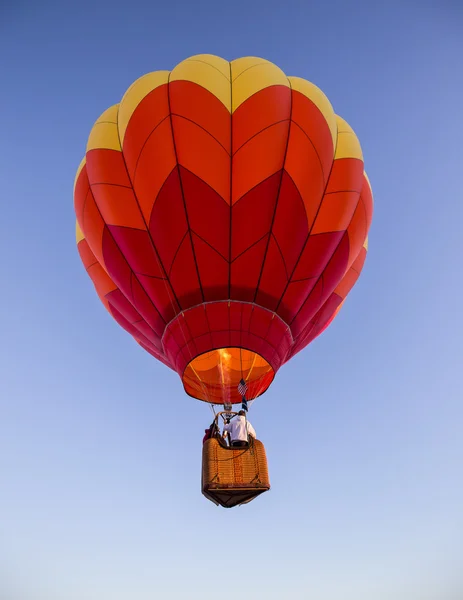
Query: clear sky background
[{"x": 100, "y": 449}]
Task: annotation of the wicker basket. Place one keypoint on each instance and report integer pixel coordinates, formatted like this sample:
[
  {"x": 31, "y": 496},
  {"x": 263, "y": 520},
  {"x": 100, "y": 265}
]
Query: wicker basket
[{"x": 233, "y": 476}]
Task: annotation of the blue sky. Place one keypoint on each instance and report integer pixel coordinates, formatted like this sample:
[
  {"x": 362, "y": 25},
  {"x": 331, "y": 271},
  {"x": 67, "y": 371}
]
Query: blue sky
[{"x": 99, "y": 447}]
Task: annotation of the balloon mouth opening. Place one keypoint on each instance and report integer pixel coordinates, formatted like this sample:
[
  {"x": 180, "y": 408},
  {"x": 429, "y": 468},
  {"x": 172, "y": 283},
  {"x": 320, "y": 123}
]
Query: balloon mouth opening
[{"x": 214, "y": 376}]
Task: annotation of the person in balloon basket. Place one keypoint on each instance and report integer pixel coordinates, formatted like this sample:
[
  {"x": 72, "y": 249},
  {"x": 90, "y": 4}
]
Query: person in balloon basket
[
  {"x": 238, "y": 430},
  {"x": 210, "y": 432}
]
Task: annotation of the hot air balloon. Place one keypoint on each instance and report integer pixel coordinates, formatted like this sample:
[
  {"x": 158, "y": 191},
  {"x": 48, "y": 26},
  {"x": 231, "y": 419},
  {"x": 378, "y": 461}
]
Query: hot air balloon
[{"x": 222, "y": 215}]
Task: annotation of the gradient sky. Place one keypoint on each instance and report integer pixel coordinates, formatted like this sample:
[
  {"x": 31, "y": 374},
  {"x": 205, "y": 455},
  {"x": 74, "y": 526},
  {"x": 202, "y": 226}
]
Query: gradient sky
[{"x": 100, "y": 449}]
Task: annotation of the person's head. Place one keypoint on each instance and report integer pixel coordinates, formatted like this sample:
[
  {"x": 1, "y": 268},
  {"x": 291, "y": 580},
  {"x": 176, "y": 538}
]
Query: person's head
[{"x": 242, "y": 413}]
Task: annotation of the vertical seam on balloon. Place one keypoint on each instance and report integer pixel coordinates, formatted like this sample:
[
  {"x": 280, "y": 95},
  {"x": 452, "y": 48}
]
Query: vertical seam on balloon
[
  {"x": 176, "y": 252},
  {"x": 82, "y": 213},
  {"x": 281, "y": 253},
  {"x": 268, "y": 330},
  {"x": 131, "y": 300},
  {"x": 311, "y": 227},
  {"x": 266, "y": 128},
  {"x": 345, "y": 235},
  {"x": 138, "y": 335},
  {"x": 307, "y": 333},
  {"x": 90, "y": 192},
  {"x": 249, "y": 248},
  {"x": 206, "y": 316},
  {"x": 364, "y": 210},
  {"x": 313, "y": 146},
  {"x": 191, "y": 341},
  {"x": 211, "y": 247},
  {"x": 202, "y": 129},
  {"x": 167, "y": 281},
  {"x": 181, "y": 188},
  {"x": 188, "y": 226},
  {"x": 134, "y": 324},
  {"x": 153, "y": 245},
  {"x": 142, "y": 148},
  {"x": 263, "y": 62},
  {"x": 204, "y": 63},
  {"x": 278, "y": 191},
  {"x": 231, "y": 185},
  {"x": 332, "y": 315}
]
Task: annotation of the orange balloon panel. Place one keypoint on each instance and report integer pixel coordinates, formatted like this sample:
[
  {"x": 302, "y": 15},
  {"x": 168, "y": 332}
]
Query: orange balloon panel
[
  {"x": 223, "y": 211},
  {"x": 216, "y": 375}
]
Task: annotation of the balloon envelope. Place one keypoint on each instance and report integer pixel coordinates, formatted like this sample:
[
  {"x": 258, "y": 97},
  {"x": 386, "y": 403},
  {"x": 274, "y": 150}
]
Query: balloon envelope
[{"x": 223, "y": 213}]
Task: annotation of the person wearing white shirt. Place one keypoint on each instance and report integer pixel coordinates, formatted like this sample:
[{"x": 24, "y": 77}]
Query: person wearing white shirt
[{"x": 238, "y": 430}]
